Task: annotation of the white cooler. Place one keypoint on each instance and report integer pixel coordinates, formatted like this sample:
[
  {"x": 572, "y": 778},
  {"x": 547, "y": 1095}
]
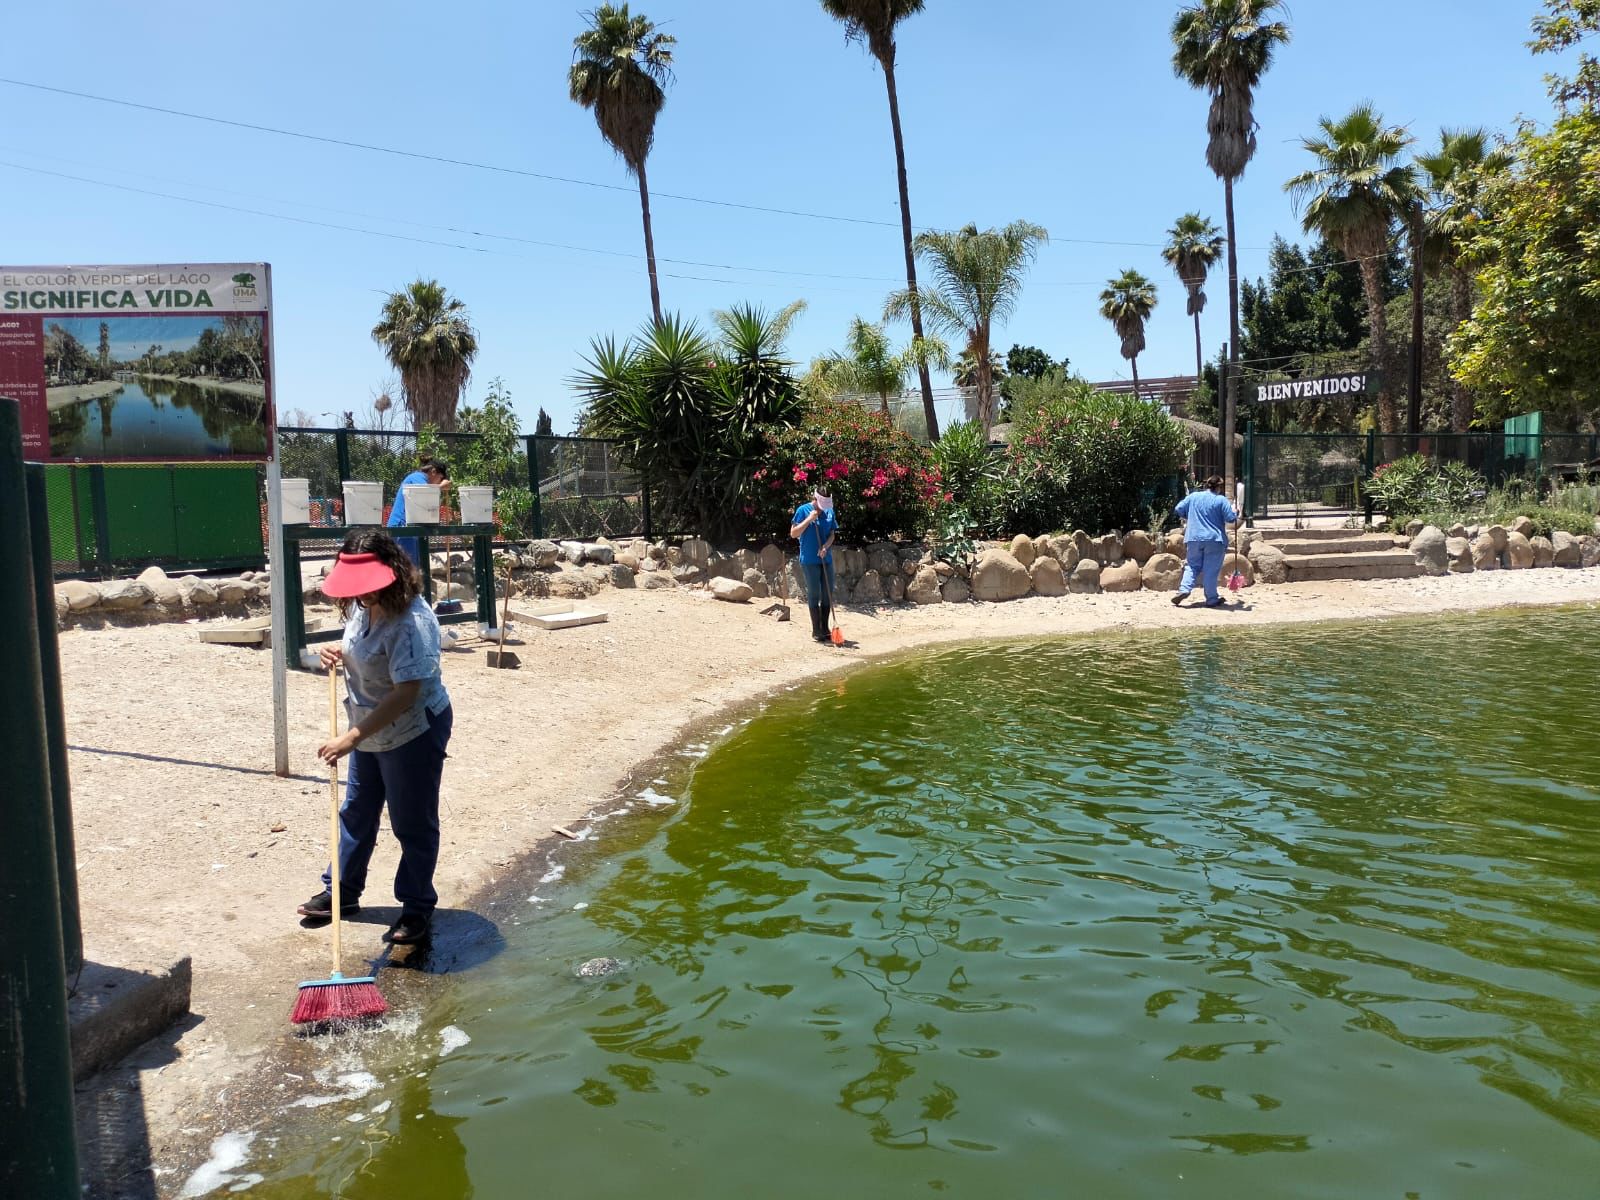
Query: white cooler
[{"x": 363, "y": 503}]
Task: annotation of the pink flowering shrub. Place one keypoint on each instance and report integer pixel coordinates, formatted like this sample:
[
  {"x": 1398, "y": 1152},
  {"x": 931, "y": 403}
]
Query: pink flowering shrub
[{"x": 883, "y": 481}]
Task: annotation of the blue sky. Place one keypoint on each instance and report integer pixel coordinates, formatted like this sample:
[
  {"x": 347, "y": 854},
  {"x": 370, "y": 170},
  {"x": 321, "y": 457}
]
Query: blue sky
[{"x": 1064, "y": 113}]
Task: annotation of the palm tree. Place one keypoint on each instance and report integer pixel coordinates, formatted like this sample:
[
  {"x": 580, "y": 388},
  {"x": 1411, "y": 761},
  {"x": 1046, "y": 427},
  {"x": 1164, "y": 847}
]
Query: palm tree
[
  {"x": 872, "y": 22},
  {"x": 429, "y": 341},
  {"x": 870, "y": 366},
  {"x": 621, "y": 66},
  {"x": 977, "y": 277},
  {"x": 964, "y": 371},
  {"x": 1127, "y": 303},
  {"x": 1224, "y": 47},
  {"x": 1194, "y": 244},
  {"x": 1350, "y": 199},
  {"x": 1455, "y": 174}
]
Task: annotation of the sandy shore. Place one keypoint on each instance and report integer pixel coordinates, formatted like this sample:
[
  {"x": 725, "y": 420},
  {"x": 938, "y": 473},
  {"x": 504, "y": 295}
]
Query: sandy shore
[
  {"x": 188, "y": 844},
  {"x": 240, "y": 387},
  {"x": 57, "y": 398}
]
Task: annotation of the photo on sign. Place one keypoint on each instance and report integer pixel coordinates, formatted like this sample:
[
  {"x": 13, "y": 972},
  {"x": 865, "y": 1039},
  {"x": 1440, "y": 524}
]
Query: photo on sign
[{"x": 156, "y": 386}]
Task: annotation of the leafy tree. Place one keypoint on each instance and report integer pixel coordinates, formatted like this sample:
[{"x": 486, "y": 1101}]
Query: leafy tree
[
  {"x": 872, "y": 23},
  {"x": 65, "y": 357},
  {"x": 1224, "y": 47},
  {"x": 496, "y": 457},
  {"x": 1564, "y": 25},
  {"x": 543, "y": 426},
  {"x": 430, "y": 342},
  {"x": 977, "y": 277},
  {"x": 870, "y": 366},
  {"x": 1127, "y": 303},
  {"x": 1031, "y": 362},
  {"x": 621, "y": 66},
  {"x": 1531, "y": 344},
  {"x": 1352, "y": 198},
  {"x": 1194, "y": 243},
  {"x": 103, "y": 358},
  {"x": 1455, "y": 174},
  {"x": 965, "y": 370}
]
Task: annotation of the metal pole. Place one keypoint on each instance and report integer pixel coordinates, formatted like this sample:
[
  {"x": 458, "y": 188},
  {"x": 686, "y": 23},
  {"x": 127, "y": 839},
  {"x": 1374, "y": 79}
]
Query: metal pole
[
  {"x": 44, "y": 601},
  {"x": 277, "y": 573},
  {"x": 536, "y": 514},
  {"x": 36, "y": 1109}
]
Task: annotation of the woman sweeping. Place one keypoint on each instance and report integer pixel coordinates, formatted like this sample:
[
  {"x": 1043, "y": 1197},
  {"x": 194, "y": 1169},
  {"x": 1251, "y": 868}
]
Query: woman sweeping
[
  {"x": 816, "y": 526},
  {"x": 1207, "y": 516},
  {"x": 400, "y": 718}
]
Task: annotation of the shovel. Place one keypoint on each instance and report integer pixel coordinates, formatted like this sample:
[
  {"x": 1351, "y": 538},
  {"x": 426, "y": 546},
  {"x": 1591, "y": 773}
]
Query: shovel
[
  {"x": 498, "y": 656},
  {"x": 782, "y": 606}
]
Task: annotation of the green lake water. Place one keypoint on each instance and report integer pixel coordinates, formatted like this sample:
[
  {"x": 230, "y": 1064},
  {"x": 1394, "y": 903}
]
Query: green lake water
[
  {"x": 158, "y": 418},
  {"x": 1287, "y": 913}
]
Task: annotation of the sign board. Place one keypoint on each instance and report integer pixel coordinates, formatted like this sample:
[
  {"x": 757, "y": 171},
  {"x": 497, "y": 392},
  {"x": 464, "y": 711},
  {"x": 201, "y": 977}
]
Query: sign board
[
  {"x": 163, "y": 363},
  {"x": 1325, "y": 387}
]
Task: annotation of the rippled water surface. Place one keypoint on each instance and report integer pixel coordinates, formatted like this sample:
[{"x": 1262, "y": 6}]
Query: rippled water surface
[{"x": 1286, "y": 913}]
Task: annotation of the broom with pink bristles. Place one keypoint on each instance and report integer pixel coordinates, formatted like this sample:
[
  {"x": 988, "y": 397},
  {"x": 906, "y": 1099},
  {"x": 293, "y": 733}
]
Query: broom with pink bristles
[{"x": 336, "y": 998}]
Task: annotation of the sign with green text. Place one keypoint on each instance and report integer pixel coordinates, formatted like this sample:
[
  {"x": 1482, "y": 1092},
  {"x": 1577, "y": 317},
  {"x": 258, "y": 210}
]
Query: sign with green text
[{"x": 164, "y": 363}]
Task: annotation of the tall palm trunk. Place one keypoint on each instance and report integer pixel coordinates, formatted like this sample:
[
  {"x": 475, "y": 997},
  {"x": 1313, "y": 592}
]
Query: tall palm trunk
[
  {"x": 649, "y": 243},
  {"x": 928, "y": 413},
  {"x": 1462, "y": 408},
  {"x": 1378, "y": 334},
  {"x": 1199, "y": 355},
  {"x": 1230, "y": 394},
  {"x": 1134, "y": 361},
  {"x": 985, "y": 385}
]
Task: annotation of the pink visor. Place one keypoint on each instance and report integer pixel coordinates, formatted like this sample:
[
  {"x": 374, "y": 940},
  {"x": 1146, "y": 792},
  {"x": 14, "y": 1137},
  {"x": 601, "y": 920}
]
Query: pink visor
[{"x": 356, "y": 575}]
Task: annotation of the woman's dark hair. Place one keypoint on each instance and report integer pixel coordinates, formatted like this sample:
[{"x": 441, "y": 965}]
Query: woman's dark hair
[
  {"x": 432, "y": 462},
  {"x": 1214, "y": 482},
  {"x": 407, "y": 585}
]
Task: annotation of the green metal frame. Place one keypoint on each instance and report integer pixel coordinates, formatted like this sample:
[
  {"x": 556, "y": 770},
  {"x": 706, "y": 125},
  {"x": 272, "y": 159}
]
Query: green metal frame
[{"x": 481, "y": 536}]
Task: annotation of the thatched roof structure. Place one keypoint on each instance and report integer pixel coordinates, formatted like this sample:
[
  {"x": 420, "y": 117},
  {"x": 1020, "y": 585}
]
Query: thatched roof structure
[{"x": 1207, "y": 435}]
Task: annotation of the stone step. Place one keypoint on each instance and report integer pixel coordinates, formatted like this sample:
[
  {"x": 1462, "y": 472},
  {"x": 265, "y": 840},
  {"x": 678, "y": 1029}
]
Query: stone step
[
  {"x": 1370, "y": 564},
  {"x": 1308, "y": 535},
  {"x": 1350, "y": 543}
]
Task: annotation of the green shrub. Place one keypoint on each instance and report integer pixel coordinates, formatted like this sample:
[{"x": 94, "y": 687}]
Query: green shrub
[
  {"x": 1083, "y": 459},
  {"x": 1414, "y": 484},
  {"x": 884, "y": 482},
  {"x": 970, "y": 469}
]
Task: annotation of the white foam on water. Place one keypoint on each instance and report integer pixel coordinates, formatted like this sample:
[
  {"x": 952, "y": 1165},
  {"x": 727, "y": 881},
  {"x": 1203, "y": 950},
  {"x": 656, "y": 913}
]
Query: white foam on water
[
  {"x": 354, "y": 1117},
  {"x": 246, "y": 1182},
  {"x": 580, "y": 905},
  {"x": 452, "y": 1038},
  {"x": 553, "y": 874},
  {"x": 655, "y": 799},
  {"x": 227, "y": 1153},
  {"x": 353, "y": 1085},
  {"x": 380, "y": 1109},
  {"x": 537, "y": 900}
]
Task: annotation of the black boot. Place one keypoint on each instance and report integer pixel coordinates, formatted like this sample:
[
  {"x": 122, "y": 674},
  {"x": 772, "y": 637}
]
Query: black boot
[{"x": 819, "y": 624}]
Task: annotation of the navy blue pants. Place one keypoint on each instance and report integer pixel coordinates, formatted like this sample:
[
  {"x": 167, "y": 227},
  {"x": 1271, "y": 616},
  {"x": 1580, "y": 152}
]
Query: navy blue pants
[
  {"x": 413, "y": 549},
  {"x": 407, "y": 779},
  {"x": 818, "y": 593}
]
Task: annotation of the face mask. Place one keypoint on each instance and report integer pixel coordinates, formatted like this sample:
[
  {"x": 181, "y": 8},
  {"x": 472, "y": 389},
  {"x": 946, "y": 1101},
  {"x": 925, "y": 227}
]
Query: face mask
[{"x": 824, "y": 504}]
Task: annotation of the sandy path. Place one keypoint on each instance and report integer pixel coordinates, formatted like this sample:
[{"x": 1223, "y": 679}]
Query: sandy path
[{"x": 175, "y": 801}]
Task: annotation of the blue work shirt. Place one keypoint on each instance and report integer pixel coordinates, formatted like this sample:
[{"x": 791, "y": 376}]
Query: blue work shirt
[
  {"x": 397, "y": 514},
  {"x": 394, "y": 650},
  {"x": 1208, "y": 516},
  {"x": 812, "y": 537}
]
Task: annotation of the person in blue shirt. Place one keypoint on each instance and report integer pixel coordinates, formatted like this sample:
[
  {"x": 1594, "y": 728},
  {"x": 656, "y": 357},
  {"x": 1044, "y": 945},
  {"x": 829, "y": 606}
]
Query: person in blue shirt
[
  {"x": 399, "y": 727},
  {"x": 429, "y": 470},
  {"x": 1207, "y": 515},
  {"x": 816, "y": 526}
]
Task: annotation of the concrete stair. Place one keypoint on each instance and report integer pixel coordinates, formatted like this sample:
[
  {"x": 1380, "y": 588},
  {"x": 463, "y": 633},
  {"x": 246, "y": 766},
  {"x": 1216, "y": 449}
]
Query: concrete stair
[{"x": 1328, "y": 554}]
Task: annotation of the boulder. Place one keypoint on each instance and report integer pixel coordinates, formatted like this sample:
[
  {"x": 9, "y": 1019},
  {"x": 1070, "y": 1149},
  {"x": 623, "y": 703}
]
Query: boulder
[
  {"x": 1042, "y": 548},
  {"x": 1138, "y": 546},
  {"x": 620, "y": 576},
  {"x": 1085, "y": 577},
  {"x": 1484, "y": 555},
  {"x": 687, "y": 573},
  {"x": 572, "y": 552},
  {"x": 652, "y": 564},
  {"x": 1065, "y": 551},
  {"x": 1048, "y": 577},
  {"x": 1413, "y": 528},
  {"x": 697, "y": 551},
  {"x": 1458, "y": 530},
  {"x": 999, "y": 576},
  {"x": 1522, "y": 525},
  {"x": 1566, "y": 550},
  {"x": 1023, "y": 550},
  {"x": 924, "y": 588},
  {"x": 1162, "y": 572},
  {"x": 1497, "y": 534},
  {"x": 1519, "y": 551},
  {"x": 541, "y": 553},
  {"x": 599, "y": 553},
  {"x": 757, "y": 583},
  {"x": 1458, "y": 550},
  {"x": 237, "y": 591},
  {"x": 674, "y": 556},
  {"x": 1429, "y": 551},
  {"x": 1084, "y": 543},
  {"x": 943, "y": 569},
  {"x": 1268, "y": 563},
  {"x": 1234, "y": 562},
  {"x": 1174, "y": 543},
  {"x": 124, "y": 594},
  {"x": 884, "y": 558},
  {"x": 1544, "y": 551},
  {"x": 1589, "y": 551},
  {"x": 628, "y": 559},
  {"x": 747, "y": 558},
  {"x": 162, "y": 590},
  {"x": 770, "y": 559},
  {"x": 955, "y": 590},
  {"x": 197, "y": 592},
  {"x": 1123, "y": 576},
  {"x": 734, "y": 591},
  {"x": 895, "y": 593},
  {"x": 655, "y": 581},
  {"x": 78, "y": 594},
  {"x": 724, "y": 566},
  {"x": 1108, "y": 549},
  {"x": 869, "y": 590}
]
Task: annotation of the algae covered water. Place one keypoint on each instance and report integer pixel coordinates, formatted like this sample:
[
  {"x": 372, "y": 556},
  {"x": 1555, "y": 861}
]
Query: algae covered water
[{"x": 1288, "y": 913}]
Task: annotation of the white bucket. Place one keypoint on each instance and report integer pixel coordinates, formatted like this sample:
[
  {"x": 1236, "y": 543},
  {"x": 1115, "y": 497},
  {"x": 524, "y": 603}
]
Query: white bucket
[
  {"x": 477, "y": 505},
  {"x": 422, "y": 503},
  {"x": 296, "y": 495},
  {"x": 363, "y": 503}
]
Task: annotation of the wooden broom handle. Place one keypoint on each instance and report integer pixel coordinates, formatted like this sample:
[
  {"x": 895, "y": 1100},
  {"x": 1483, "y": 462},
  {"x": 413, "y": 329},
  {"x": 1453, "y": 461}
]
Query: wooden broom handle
[{"x": 333, "y": 812}]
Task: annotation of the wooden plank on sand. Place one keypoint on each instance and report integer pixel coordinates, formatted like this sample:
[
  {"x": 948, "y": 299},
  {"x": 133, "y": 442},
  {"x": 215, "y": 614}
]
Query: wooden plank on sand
[{"x": 567, "y": 620}]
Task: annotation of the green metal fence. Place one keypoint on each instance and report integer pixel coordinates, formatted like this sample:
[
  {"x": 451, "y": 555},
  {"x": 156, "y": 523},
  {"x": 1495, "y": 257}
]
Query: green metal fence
[{"x": 108, "y": 519}]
